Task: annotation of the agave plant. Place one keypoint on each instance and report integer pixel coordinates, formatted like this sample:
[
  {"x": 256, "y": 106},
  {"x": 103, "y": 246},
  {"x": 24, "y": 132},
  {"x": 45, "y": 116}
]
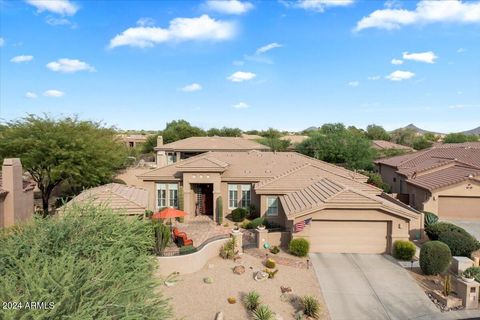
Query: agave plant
[
  {"x": 252, "y": 300},
  {"x": 263, "y": 313},
  {"x": 311, "y": 306}
]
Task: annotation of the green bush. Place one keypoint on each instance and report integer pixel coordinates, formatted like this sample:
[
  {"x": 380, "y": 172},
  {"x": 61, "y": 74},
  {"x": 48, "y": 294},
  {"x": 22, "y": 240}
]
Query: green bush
[
  {"x": 459, "y": 243},
  {"x": 433, "y": 231},
  {"x": 435, "y": 257},
  {"x": 227, "y": 251},
  {"x": 270, "y": 263},
  {"x": 311, "y": 307},
  {"x": 430, "y": 218},
  {"x": 274, "y": 250},
  {"x": 299, "y": 247},
  {"x": 256, "y": 222},
  {"x": 93, "y": 263},
  {"x": 404, "y": 250},
  {"x": 251, "y": 300},
  {"x": 263, "y": 313},
  {"x": 472, "y": 272},
  {"x": 239, "y": 214}
]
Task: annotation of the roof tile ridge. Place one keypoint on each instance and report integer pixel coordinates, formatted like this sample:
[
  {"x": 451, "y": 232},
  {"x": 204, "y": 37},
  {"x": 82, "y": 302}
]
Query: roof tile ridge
[
  {"x": 124, "y": 197},
  {"x": 283, "y": 174}
]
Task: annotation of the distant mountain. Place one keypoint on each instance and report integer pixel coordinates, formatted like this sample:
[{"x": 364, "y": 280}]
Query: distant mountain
[
  {"x": 475, "y": 131},
  {"x": 419, "y": 130},
  {"x": 311, "y": 129}
]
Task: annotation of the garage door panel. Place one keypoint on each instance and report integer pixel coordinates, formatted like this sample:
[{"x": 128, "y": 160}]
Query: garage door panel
[
  {"x": 349, "y": 236},
  {"x": 459, "y": 208}
]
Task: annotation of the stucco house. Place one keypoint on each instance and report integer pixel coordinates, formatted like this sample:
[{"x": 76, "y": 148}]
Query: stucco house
[
  {"x": 183, "y": 149},
  {"x": 444, "y": 179},
  {"x": 337, "y": 209},
  {"x": 133, "y": 140},
  {"x": 382, "y": 145},
  {"x": 16, "y": 194}
]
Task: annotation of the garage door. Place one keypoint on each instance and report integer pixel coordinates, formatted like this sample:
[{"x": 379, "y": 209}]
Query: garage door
[
  {"x": 459, "y": 208},
  {"x": 349, "y": 236}
]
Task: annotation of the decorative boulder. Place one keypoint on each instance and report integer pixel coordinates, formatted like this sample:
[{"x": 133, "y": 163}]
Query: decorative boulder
[
  {"x": 219, "y": 316},
  {"x": 239, "y": 269},
  {"x": 260, "y": 276}
]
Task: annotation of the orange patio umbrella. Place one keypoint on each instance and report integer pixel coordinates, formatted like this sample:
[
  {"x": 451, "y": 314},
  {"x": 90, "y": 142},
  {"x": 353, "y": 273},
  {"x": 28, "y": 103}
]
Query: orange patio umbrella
[{"x": 169, "y": 213}]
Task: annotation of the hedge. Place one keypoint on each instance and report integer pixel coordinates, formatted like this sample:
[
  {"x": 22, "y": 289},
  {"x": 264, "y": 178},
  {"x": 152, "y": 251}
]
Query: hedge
[
  {"x": 433, "y": 231},
  {"x": 404, "y": 250},
  {"x": 459, "y": 243},
  {"x": 91, "y": 262},
  {"x": 299, "y": 247},
  {"x": 239, "y": 214},
  {"x": 435, "y": 257}
]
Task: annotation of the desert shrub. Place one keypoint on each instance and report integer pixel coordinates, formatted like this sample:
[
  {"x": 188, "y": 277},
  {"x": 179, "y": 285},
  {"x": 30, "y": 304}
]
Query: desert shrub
[
  {"x": 258, "y": 221},
  {"x": 239, "y": 214},
  {"x": 263, "y": 313},
  {"x": 274, "y": 250},
  {"x": 227, "y": 251},
  {"x": 251, "y": 300},
  {"x": 472, "y": 272},
  {"x": 187, "y": 250},
  {"x": 433, "y": 231},
  {"x": 271, "y": 273},
  {"x": 93, "y": 263},
  {"x": 311, "y": 307},
  {"x": 430, "y": 218},
  {"x": 404, "y": 250},
  {"x": 270, "y": 263},
  {"x": 162, "y": 236},
  {"x": 246, "y": 224},
  {"x": 435, "y": 257},
  {"x": 299, "y": 247},
  {"x": 459, "y": 243}
]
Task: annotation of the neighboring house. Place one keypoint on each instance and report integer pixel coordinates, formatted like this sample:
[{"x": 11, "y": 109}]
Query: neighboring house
[
  {"x": 183, "y": 149},
  {"x": 16, "y": 195},
  {"x": 343, "y": 212},
  {"x": 123, "y": 199},
  {"x": 444, "y": 179},
  {"x": 133, "y": 140},
  {"x": 382, "y": 145}
]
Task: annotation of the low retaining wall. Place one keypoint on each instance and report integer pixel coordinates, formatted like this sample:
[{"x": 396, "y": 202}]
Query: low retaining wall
[
  {"x": 190, "y": 263},
  {"x": 279, "y": 239}
]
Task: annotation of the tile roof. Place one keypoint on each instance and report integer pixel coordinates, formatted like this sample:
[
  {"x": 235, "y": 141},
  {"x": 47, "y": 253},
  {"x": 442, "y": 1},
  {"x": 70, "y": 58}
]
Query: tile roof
[
  {"x": 125, "y": 199},
  {"x": 382, "y": 145},
  {"x": 438, "y": 166},
  {"x": 195, "y": 144}
]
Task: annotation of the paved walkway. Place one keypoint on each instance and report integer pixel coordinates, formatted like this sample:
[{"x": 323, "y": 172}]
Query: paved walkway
[{"x": 374, "y": 287}]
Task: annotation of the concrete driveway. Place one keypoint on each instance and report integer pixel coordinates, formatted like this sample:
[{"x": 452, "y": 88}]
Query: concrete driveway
[
  {"x": 357, "y": 286},
  {"x": 473, "y": 227}
]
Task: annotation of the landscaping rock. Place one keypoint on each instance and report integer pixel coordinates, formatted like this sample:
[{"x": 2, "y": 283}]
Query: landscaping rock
[
  {"x": 219, "y": 316},
  {"x": 285, "y": 289},
  {"x": 169, "y": 284},
  {"x": 239, "y": 269},
  {"x": 261, "y": 276},
  {"x": 208, "y": 280}
]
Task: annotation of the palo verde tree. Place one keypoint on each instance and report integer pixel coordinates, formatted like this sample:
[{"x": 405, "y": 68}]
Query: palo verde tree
[{"x": 82, "y": 153}]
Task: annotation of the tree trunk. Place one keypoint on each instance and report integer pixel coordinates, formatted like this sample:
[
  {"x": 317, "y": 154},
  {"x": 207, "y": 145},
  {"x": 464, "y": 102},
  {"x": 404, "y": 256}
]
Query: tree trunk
[{"x": 45, "y": 203}]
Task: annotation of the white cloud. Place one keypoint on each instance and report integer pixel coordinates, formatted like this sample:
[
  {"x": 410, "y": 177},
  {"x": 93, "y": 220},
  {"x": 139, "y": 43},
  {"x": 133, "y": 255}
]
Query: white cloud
[
  {"x": 396, "y": 61},
  {"x": 180, "y": 29},
  {"x": 22, "y": 58},
  {"x": 2, "y": 42},
  {"x": 317, "y": 5},
  {"x": 354, "y": 83},
  {"x": 146, "y": 22},
  {"x": 192, "y": 87},
  {"x": 374, "y": 78},
  {"x": 229, "y": 6},
  {"x": 268, "y": 47},
  {"x": 400, "y": 75},
  {"x": 461, "y": 50},
  {"x": 427, "y": 57},
  {"x": 241, "y": 105},
  {"x": 241, "y": 76},
  {"x": 58, "y": 21},
  {"x": 31, "y": 95},
  {"x": 62, "y": 7},
  {"x": 69, "y": 66},
  {"x": 453, "y": 11},
  {"x": 53, "y": 93}
]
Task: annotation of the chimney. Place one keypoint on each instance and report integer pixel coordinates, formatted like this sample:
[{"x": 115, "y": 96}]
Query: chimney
[
  {"x": 159, "y": 141},
  {"x": 12, "y": 182}
]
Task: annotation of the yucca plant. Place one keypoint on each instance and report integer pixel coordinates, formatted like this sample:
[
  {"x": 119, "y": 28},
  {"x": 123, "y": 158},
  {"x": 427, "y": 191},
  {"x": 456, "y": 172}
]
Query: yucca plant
[
  {"x": 263, "y": 313},
  {"x": 252, "y": 300},
  {"x": 311, "y": 306}
]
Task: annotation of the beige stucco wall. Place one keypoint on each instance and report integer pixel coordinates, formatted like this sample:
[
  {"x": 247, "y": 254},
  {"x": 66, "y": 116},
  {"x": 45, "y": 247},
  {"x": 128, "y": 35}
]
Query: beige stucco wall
[
  {"x": 463, "y": 189},
  {"x": 388, "y": 174},
  {"x": 130, "y": 176},
  {"x": 280, "y": 219},
  {"x": 400, "y": 228},
  {"x": 190, "y": 263}
]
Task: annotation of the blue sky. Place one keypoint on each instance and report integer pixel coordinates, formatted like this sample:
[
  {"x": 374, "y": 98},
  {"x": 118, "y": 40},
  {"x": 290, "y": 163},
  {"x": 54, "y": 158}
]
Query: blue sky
[{"x": 248, "y": 64}]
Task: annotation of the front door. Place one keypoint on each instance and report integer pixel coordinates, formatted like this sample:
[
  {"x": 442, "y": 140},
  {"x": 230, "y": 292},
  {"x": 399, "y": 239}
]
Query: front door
[{"x": 204, "y": 199}]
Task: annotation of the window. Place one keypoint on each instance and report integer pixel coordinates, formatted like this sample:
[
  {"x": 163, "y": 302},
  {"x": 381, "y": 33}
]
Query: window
[
  {"x": 246, "y": 195},
  {"x": 167, "y": 195},
  {"x": 232, "y": 196},
  {"x": 272, "y": 206},
  {"x": 171, "y": 158}
]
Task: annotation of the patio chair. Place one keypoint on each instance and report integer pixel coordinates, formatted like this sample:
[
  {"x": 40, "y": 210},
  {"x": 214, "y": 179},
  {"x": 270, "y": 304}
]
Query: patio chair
[{"x": 181, "y": 238}]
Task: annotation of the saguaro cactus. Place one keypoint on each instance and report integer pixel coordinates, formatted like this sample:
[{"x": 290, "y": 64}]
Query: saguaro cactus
[{"x": 219, "y": 210}]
